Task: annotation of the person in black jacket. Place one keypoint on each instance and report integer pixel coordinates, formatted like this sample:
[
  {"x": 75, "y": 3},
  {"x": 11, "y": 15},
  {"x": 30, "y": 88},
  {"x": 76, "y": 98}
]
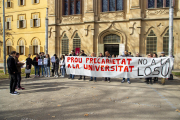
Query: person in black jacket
[
  {"x": 107, "y": 54},
  {"x": 12, "y": 70},
  {"x": 29, "y": 63},
  {"x": 84, "y": 55}
]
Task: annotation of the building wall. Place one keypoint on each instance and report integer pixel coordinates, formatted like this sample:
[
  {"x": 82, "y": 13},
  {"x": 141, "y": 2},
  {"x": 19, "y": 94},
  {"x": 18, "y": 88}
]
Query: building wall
[
  {"x": 132, "y": 24},
  {"x": 27, "y": 34}
]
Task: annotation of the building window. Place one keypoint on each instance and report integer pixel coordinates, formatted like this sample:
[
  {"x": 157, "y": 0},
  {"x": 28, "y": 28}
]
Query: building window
[
  {"x": 21, "y": 2},
  {"x": 65, "y": 45},
  {"x": 166, "y": 43},
  {"x": 8, "y": 24},
  {"x": 21, "y": 50},
  {"x": 159, "y": 3},
  {"x": 8, "y": 50},
  {"x": 21, "y": 23},
  {"x": 35, "y": 1},
  {"x": 71, "y": 7},
  {"x": 112, "y": 5},
  {"x": 8, "y": 4},
  {"x": 35, "y": 49},
  {"x": 77, "y": 44},
  {"x": 8, "y": 47},
  {"x": 36, "y": 21},
  {"x": 111, "y": 38},
  {"x": 151, "y": 45}
]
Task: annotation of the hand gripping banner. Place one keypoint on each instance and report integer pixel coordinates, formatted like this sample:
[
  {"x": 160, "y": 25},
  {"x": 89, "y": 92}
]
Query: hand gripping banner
[{"x": 131, "y": 67}]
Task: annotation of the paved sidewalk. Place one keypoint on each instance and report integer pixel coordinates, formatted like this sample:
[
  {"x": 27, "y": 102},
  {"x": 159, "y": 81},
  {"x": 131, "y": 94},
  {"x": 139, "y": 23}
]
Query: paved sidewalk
[{"x": 65, "y": 99}]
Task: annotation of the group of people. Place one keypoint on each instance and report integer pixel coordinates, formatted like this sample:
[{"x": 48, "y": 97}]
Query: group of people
[{"x": 14, "y": 67}]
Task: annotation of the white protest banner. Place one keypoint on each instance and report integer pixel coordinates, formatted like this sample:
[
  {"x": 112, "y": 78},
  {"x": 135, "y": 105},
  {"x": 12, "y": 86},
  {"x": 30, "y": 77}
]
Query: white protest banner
[
  {"x": 39, "y": 61},
  {"x": 53, "y": 59},
  {"x": 45, "y": 61},
  {"x": 132, "y": 67}
]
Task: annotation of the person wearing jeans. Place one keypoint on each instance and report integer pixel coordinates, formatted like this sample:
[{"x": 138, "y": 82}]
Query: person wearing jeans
[
  {"x": 72, "y": 54},
  {"x": 47, "y": 66},
  {"x": 42, "y": 66},
  {"x": 92, "y": 79},
  {"x": 62, "y": 65},
  {"x": 36, "y": 67},
  {"x": 126, "y": 55}
]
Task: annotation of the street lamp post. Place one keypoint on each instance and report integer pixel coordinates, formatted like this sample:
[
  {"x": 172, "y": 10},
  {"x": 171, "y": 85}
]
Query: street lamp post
[
  {"x": 4, "y": 42},
  {"x": 171, "y": 9},
  {"x": 46, "y": 31}
]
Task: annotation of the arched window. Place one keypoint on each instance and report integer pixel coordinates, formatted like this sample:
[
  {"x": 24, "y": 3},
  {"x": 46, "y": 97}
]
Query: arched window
[
  {"x": 71, "y": 7},
  {"x": 77, "y": 44},
  {"x": 166, "y": 43},
  {"x": 112, "y": 5},
  {"x": 65, "y": 45},
  {"x": 21, "y": 47},
  {"x": 35, "y": 47},
  {"x": 111, "y": 38},
  {"x": 151, "y": 45},
  {"x": 159, "y": 3}
]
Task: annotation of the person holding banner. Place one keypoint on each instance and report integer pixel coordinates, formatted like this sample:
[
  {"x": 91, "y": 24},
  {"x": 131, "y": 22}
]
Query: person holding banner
[
  {"x": 126, "y": 55},
  {"x": 36, "y": 66},
  {"x": 84, "y": 55},
  {"x": 149, "y": 78},
  {"x": 62, "y": 65},
  {"x": 93, "y": 55},
  {"x": 155, "y": 78},
  {"x": 47, "y": 65},
  {"x": 29, "y": 63},
  {"x": 107, "y": 56},
  {"x": 72, "y": 54}
]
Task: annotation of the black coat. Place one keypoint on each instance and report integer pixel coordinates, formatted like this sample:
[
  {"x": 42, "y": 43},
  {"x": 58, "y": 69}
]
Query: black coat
[
  {"x": 48, "y": 64},
  {"x": 34, "y": 61},
  {"x": 72, "y": 54},
  {"x": 29, "y": 62},
  {"x": 84, "y": 55},
  {"x": 11, "y": 65}
]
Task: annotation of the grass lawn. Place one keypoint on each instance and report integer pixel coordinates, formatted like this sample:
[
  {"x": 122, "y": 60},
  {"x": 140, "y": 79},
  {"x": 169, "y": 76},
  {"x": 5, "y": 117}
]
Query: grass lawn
[
  {"x": 176, "y": 74},
  {"x": 5, "y": 76}
]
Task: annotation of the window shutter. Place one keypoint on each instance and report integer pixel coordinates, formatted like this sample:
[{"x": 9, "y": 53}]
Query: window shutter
[
  {"x": 17, "y": 23},
  {"x": 18, "y": 2},
  {"x": 24, "y": 23},
  {"x": 24, "y": 50},
  {"x": 9, "y": 25},
  {"x": 32, "y": 1},
  {"x": 37, "y": 1},
  {"x": 24, "y": 2},
  {"x": 39, "y": 48},
  {"x": 10, "y": 4},
  {"x": 39, "y": 22},
  {"x": 6, "y": 4},
  {"x": 31, "y": 50},
  {"x": 6, "y": 25},
  {"x": 17, "y": 49},
  {"x": 31, "y": 23}
]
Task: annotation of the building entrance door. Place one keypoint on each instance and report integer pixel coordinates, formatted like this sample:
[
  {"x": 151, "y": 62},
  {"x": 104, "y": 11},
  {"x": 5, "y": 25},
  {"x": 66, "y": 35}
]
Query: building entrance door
[{"x": 112, "y": 48}]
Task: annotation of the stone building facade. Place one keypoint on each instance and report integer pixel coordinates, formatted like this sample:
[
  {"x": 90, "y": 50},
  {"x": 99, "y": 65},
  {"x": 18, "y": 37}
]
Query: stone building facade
[{"x": 114, "y": 25}]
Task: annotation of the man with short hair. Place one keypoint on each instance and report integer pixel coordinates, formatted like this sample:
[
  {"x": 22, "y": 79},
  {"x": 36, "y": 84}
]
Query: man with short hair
[
  {"x": 18, "y": 65},
  {"x": 72, "y": 54},
  {"x": 126, "y": 55},
  {"x": 12, "y": 70},
  {"x": 107, "y": 55},
  {"x": 84, "y": 55}
]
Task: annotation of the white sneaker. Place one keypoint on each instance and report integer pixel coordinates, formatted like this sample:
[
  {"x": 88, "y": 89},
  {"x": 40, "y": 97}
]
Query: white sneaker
[
  {"x": 15, "y": 93},
  {"x": 57, "y": 76},
  {"x": 49, "y": 76}
]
